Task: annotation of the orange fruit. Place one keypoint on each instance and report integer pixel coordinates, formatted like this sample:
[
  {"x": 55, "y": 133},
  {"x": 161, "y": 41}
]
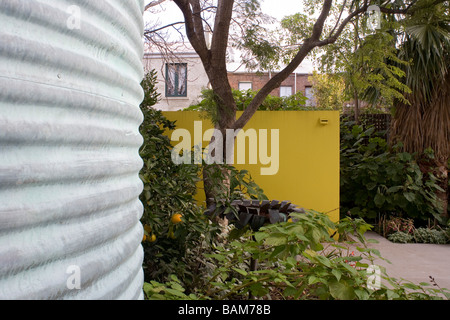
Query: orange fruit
[
  {"x": 144, "y": 238},
  {"x": 176, "y": 218},
  {"x": 152, "y": 238}
]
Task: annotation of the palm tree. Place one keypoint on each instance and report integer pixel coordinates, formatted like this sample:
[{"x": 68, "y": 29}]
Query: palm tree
[{"x": 425, "y": 122}]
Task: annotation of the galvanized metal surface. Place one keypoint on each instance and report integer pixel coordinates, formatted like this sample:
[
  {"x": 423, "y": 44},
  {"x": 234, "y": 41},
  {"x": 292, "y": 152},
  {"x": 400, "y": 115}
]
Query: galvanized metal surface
[{"x": 69, "y": 140}]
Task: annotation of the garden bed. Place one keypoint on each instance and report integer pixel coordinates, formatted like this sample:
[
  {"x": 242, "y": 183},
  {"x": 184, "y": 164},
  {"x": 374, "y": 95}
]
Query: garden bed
[{"x": 402, "y": 230}]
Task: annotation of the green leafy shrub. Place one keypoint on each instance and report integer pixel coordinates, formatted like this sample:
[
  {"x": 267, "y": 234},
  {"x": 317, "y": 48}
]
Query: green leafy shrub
[
  {"x": 169, "y": 248},
  {"x": 421, "y": 235},
  {"x": 427, "y": 235},
  {"x": 241, "y": 184},
  {"x": 170, "y": 290},
  {"x": 376, "y": 180},
  {"x": 297, "y": 260},
  {"x": 208, "y": 102},
  {"x": 400, "y": 237},
  {"x": 169, "y": 189}
]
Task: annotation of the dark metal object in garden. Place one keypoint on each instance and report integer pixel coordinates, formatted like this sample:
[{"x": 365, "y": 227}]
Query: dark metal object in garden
[{"x": 254, "y": 213}]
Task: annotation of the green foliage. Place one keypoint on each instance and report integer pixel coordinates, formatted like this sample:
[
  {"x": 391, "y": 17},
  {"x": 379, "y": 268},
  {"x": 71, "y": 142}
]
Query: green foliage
[
  {"x": 329, "y": 91},
  {"x": 208, "y": 103},
  {"x": 271, "y": 103},
  {"x": 427, "y": 235},
  {"x": 169, "y": 189},
  {"x": 295, "y": 29},
  {"x": 421, "y": 235},
  {"x": 376, "y": 180},
  {"x": 241, "y": 184},
  {"x": 258, "y": 46},
  {"x": 400, "y": 237},
  {"x": 297, "y": 260},
  {"x": 148, "y": 84},
  {"x": 427, "y": 44},
  {"x": 266, "y": 52},
  {"x": 381, "y": 78},
  {"x": 366, "y": 60},
  {"x": 170, "y": 290}
]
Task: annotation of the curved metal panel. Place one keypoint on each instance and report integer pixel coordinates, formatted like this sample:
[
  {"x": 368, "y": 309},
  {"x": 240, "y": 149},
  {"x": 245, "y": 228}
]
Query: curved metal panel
[{"x": 70, "y": 74}]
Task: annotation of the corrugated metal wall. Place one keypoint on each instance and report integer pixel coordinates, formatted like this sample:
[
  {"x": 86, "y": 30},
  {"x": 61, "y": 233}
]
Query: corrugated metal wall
[{"x": 70, "y": 75}]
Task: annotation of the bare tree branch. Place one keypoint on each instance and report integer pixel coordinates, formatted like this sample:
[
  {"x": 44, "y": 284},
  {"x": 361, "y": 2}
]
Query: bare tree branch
[
  {"x": 196, "y": 39},
  {"x": 408, "y": 10},
  {"x": 147, "y": 32},
  {"x": 341, "y": 28},
  {"x": 219, "y": 41},
  {"x": 198, "y": 21},
  {"x": 214, "y": 59},
  {"x": 318, "y": 26},
  {"x": 153, "y": 4},
  {"x": 339, "y": 19},
  {"x": 276, "y": 80}
]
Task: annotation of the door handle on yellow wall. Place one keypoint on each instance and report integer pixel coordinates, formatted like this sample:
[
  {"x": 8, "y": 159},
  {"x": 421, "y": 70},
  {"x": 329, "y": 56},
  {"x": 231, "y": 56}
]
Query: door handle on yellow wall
[{"x": 323, "y": 121}]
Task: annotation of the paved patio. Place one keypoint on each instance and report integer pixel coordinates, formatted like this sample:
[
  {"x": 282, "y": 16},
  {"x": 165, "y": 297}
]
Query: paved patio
[{"x": 415, "y": 262}]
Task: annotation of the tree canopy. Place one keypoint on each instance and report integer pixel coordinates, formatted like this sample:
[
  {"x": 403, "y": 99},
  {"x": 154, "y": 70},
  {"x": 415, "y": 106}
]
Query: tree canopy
[{"x": 240, "y": 23}]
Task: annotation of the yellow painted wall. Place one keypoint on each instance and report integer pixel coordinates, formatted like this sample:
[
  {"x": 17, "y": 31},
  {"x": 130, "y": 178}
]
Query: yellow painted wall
[{"x": 308, "y": 173}]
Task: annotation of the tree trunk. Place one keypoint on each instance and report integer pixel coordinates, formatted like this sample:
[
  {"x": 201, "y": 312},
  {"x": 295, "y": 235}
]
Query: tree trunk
[
  {"x": 216, "y": 182},
  {"x": 214, "y": 60},
  {"x": 423, "y": 125},
  {"x": 226, "y": 113},
  {"x": 443, "y": 195}
]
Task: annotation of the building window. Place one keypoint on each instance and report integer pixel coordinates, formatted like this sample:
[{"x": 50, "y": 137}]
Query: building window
[
  {"x": 176, "y": 80},
  {"x": 244, "y": 86},
  {"x": 309, "y": 96},
  {"x": 285, "y": 91}
]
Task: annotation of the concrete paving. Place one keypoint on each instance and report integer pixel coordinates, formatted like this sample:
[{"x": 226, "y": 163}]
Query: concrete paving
[{"x": 415, "y": 262}]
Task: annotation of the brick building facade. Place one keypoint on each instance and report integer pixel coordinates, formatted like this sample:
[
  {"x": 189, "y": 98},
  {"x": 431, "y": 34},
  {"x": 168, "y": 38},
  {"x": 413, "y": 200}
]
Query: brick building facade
[
  {"x": 181, "y": 78},
  {"x": 296, "y": 82}
]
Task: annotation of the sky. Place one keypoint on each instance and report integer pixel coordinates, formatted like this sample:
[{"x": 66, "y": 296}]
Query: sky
[
  {"x": 281, "y": 8},
  {"x": 278, "y": 9}
]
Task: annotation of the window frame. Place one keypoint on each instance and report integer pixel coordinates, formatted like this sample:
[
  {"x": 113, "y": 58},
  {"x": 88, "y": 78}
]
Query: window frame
[
  {"x": 290, "y": 87},
  {"x": 176, "y": 80},
  {"x": 246, "y": 82},
  {"x": 310, "y": 101}
]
